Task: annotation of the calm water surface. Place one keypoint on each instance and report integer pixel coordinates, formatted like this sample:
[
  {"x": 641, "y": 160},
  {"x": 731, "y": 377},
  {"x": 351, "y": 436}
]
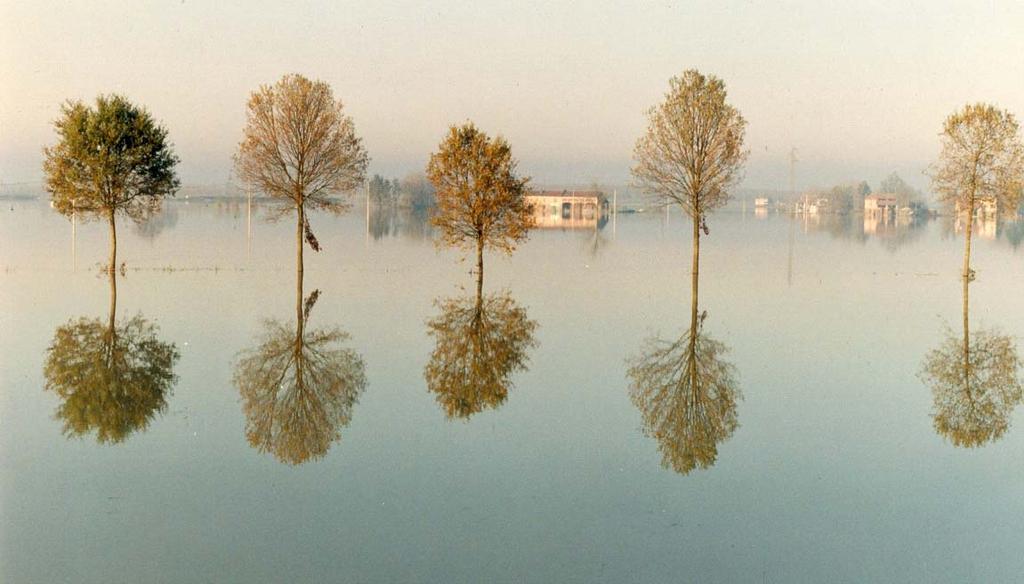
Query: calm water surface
[{"x": 834, "y": 470}]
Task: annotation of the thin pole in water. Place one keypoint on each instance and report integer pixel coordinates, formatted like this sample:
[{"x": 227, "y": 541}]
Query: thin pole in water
[
  {"x": 615, "y": 210},
  {"x": 248, "y": 224},
  {"x": 74, "y": 237}
]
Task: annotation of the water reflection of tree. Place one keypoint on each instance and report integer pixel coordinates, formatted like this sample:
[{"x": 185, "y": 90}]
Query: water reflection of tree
[
  {"x": 393, "y": 221},
  {"x": 112, "y": 378},
  {"x": 893, "y": 232},
  {"x": 687, "y": 394},
  {"x": 156, "y": 223},
  {"x": 974, "y": 382},
  {"x": 480, "y": 342},
  {"x": 298, "y": 386}
]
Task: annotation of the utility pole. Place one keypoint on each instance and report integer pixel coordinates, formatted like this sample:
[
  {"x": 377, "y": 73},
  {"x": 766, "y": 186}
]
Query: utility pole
[
  {"x": 248, "y": 223},
  {"x": 74, "y": 236},
  {"x": 615, "y": 209},
  {"x": 792, "y": 173}
]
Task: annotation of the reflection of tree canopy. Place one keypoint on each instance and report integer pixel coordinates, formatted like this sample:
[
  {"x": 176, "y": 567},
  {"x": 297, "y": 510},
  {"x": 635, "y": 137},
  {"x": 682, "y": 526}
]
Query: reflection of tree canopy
[
  {"x": 391, "y": 221},
  {"x": 974, "y": 383},
  {"x": 112, "y": 378},
  {"x": 298, "y": 388},
  {"x": 153, "y": 224},
  {"x": 480, "y": 342},
  {"x": 687, "y": 396}
]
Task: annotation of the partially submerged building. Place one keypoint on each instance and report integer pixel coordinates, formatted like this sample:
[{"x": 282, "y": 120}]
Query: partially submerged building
[
  {"x": 983, "y": 207},
  {"x": 879, "y": 204},
  {"x": 568, "y": 209}
]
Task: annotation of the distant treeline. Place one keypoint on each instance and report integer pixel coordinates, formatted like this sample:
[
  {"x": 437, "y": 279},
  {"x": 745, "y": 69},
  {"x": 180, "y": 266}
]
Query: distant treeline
[
  {"x": 849, "y": 197},
  {"x": 412, "y": 192}
]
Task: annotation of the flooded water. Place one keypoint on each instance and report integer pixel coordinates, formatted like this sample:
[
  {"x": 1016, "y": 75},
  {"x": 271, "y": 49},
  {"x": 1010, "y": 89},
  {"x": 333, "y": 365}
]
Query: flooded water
[{"x": 375, "y": 422}]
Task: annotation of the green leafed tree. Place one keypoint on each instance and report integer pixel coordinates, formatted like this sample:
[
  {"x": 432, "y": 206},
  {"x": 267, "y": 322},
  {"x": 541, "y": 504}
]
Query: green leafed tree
[
  {"x": 110, "y": 159},
  {"x": 300, "y": 147},
  {"x": 481, "y": 200}
]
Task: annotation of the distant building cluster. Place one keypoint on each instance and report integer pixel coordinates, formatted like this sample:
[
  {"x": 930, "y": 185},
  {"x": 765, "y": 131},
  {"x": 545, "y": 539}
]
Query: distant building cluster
[{"x": 568, "y": 209}]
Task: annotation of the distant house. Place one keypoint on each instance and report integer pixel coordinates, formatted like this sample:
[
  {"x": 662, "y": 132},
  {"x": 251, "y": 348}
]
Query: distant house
[
  {"x": 983, "y": 207},
  {"x": 807, "y": 206},
  {"x": 568, "y": 209},
  {"x": 760, "y": 202},
  {"x": 879, "y": 203}
]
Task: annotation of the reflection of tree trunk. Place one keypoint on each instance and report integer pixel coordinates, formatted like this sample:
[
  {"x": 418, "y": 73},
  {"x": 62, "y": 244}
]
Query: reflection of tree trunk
[
  {"x": 693, "y": 302},
  {"x": 113, "y": 243},
  {"x": 111, "y": 330},
  {"x": 967, "y": 340},
  {"x": 300, "y": 319},
  {"x": 479, "y": 266},
  {"x": 299, "y": 316}
]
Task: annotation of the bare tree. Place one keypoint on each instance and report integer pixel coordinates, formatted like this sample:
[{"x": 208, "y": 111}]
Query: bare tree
[
  {"x": 480, "y": 199},
  {"x": 982, "y": 159},
  {"x": 692, "y": 153},
  {"x": 300, "y": 146}
]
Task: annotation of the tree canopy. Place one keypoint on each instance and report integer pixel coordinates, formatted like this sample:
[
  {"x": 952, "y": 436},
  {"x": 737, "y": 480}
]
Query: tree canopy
[
  {"x": 982, "y": 158},
  {"x": 480, "y": 198},
  {"x": 300, "y": 147},
  {"x": 692, "y": 153},
  {"x": 111, "y": 158}
]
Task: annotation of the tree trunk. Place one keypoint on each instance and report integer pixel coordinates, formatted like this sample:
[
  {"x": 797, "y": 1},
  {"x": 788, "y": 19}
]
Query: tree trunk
[
  {"x": 967, "y": 238},
  {"x": 299, "y": 235},
  {"x": 112, "y": 268},
  {"x": 479, "y": 268}
]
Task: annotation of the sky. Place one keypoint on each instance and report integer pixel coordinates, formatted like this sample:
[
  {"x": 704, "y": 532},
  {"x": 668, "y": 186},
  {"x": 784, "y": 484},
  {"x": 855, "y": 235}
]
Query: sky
[{"x": 860, "y": 89}]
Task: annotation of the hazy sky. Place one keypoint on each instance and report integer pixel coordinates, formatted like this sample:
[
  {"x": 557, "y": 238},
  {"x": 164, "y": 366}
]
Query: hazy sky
[{"x": 859, "y": 88}]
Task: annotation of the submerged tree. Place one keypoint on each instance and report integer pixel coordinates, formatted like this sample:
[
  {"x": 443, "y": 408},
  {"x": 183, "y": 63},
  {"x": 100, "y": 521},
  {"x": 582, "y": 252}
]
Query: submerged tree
[
  {"x": 479, "y": 343},
  {"x": 982, "y": 160},
  {"x": 298, "y": 386},
  {"x": 480, "y": 199},
  {"x": 112, "y": 378},
  {"x": 299, "y": 146},
  {"x": 975, "y": 383},
  {"x": 111, "y": 159},
  {"x": 692, "y": 153}
]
